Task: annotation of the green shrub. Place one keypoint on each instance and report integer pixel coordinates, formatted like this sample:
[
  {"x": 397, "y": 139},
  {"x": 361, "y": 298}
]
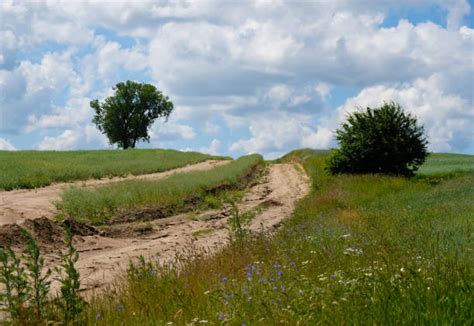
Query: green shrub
[{"x": 380, "y": 140}]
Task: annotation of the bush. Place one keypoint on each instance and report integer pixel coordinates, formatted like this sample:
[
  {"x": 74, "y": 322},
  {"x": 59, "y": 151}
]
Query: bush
[{"x": 379, "y": 140}]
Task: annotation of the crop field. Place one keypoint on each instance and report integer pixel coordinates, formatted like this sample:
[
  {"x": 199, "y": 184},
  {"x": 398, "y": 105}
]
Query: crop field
[
  {"x": 33, "y": 169},
  {"x": 358, "y": 250},
  {"x": 443, "y": 164},
  {"x": 99, "y": 204}
]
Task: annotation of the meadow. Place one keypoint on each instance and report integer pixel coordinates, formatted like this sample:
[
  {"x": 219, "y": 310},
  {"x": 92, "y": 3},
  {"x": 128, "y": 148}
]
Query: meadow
[
  {"x": 33, "y": 169},
  {"x": 365, "y": 249},
  {"x": 164, "y": 197}
]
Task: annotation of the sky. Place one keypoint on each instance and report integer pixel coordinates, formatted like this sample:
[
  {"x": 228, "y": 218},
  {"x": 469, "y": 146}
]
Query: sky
[{"x": 244, "y": 76}]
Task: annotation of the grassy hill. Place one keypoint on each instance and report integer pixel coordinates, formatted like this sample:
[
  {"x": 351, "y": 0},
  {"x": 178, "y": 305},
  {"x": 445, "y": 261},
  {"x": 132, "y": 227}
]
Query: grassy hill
[{"x": 32, "y": 169}]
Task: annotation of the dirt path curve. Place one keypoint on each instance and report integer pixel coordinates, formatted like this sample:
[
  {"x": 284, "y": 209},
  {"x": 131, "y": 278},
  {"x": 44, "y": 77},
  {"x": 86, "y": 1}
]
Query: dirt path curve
[
  {"x": 273, "y": 199},
  {"x": 18, "y": 205}
]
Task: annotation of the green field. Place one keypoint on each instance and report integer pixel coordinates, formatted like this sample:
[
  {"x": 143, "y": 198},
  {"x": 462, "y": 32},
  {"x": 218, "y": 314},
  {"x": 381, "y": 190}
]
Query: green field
[
  {"x": 172, "y": 194},
  {"x": 32, "y": 169},
  {"x": 358, "y": 250},
  {"x": 451, "y": 164}
]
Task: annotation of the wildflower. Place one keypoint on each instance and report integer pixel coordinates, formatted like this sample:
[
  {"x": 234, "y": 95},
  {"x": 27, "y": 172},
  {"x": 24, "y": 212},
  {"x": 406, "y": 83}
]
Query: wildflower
[
  {"x": 292, "y": 264},
  {"x": 98, "y": 315},
  {"x": 120, "y": 307},
  {"x": 277, "y": 266},
  {"x": 279, "y": 273},
  {"x": 261, "y": 280},
  {"x": 220, "y": 317},
  {"x": 282, "y": 288}
]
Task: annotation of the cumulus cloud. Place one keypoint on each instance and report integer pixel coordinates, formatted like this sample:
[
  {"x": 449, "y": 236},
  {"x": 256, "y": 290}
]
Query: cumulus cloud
[
  {"x": 212, "y": 148},
  {"x": 5, "y": 145},
  {"x": 66, "y": 140},
  {"x": 258, "y": 76}
]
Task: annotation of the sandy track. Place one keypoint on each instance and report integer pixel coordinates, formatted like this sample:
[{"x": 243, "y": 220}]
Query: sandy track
[
  {"x": 101, "y": 258},
  {"x": 18, "y": 205}
]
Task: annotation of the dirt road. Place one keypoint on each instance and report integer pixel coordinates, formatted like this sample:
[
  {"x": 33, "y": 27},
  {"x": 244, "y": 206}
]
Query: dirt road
[
  {"x": 275, "y": 197},
  {"x": 18, "y": 205},
  {"x": 104, "y": 256}
]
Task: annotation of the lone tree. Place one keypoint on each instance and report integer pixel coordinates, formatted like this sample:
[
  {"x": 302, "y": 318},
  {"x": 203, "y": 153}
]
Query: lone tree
[
  {"x": 126, "y": 116},
  {"x": 379, "y": 140}
]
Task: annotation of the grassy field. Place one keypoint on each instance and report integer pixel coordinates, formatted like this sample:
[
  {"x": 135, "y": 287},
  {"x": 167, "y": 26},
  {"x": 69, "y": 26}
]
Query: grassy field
[
  {"x": 102, "y": 203},
  {"x": 447, "y": 164},
  {"x": 358, "y": 250},
  {"x": 32, "y": 169}
]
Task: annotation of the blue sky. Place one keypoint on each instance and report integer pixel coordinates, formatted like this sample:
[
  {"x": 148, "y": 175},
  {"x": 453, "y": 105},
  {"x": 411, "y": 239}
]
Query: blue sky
[{"x": 248, "y": 76}]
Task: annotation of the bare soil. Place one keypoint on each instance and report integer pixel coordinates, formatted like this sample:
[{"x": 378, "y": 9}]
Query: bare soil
[
  {"x": 16, "y": 206},
  {"x": 105, "y": 253}
]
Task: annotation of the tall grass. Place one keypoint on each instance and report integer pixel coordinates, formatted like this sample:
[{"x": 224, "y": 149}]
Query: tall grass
[
  {"x": 172, "y": 194},
  {"x": 32, "y": 169},
  {"x": 358, "y": 250}
]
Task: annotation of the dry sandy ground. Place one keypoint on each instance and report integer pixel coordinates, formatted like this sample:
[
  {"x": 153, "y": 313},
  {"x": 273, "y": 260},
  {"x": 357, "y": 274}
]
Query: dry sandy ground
[
  {"x": 18, "y": 205},
  {"x": 103, "y": 256}
]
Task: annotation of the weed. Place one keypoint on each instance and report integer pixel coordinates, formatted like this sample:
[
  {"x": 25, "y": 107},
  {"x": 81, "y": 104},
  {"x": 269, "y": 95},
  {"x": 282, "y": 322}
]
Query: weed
[
  {"x": 39, "y": 281},
  {"x": 238, "y": 224},
  {"x": 70, "y": 301},
  {"x": 14, "y": 277}
]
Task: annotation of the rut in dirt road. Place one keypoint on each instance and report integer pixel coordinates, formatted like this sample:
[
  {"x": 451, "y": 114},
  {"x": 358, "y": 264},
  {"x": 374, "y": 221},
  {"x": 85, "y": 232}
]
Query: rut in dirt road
[
  {"x": 18, "y": 205},
  {"x": 103, "y": 258}
]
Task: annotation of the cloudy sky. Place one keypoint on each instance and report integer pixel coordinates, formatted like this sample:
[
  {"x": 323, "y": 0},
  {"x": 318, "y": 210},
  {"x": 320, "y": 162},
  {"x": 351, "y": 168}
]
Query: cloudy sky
[{"x": 257, "y": 76}]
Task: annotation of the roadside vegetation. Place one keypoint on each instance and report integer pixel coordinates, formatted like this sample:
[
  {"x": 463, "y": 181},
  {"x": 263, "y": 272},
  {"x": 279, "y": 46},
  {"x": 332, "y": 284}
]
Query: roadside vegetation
[
  {"x": 359, "y": 250},
  {"x": 364, "y": 249},
  {"x": 134, "y": 199},
  {"x": 33, "y": 169}
]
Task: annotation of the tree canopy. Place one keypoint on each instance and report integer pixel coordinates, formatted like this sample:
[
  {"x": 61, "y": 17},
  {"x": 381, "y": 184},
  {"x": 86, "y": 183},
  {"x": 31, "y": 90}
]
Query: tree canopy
[
  {"x": 126, "y": 116},
  {"x": 379, "y": 140}
]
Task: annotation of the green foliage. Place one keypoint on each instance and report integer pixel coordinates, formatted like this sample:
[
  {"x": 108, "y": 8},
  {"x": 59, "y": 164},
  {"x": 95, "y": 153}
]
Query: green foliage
[
  {"x": 14, "y": 278},
  {"x": 32, "y": 169},
  {"x": 380, "y": 140},
  {"x": 70, "y": 301},
  {"x": 37, "y": 280},
  {"x": 170, "y": 195},
  {"x": 126, "y": 116}
]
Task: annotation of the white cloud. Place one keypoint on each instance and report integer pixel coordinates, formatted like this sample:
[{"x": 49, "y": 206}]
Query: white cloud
[
  {"x": 69, "y": 139},
  {"x": 5, "y": 145},
  {"x": 212, "y": 149},
  {"x": 170, "y": 132},
  {"x": 247, "y": 64},
  {"x": 211, "y": 128},
  {"x": 274, "y": 133}
]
